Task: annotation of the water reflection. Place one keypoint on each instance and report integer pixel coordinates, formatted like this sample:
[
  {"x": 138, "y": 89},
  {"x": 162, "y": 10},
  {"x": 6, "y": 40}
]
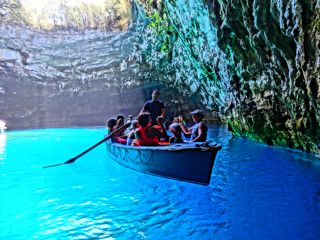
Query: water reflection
[
  {"x": 256, "y": 192},
  {"x": 2, "y": 144}
]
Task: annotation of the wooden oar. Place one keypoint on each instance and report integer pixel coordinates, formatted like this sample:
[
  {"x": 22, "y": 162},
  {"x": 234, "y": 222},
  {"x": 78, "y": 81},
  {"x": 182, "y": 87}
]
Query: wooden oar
[{"x": 72, "y": 160}]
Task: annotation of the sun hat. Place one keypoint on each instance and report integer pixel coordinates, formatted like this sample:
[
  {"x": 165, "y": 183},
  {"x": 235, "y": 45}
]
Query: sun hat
[{"x": 198, "y": 112}]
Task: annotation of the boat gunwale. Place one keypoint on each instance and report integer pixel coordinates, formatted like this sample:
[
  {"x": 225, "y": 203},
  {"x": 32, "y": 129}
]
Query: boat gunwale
[{"x": 171, "y": 148}]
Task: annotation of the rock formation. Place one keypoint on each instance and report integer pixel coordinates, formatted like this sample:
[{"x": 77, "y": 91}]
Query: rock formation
[
  {"x": 256, "y": 63},
  {"x": 79, "y": 78},
  {"x": 253, "y": 64},
  {"x": 60, "y": 78}
]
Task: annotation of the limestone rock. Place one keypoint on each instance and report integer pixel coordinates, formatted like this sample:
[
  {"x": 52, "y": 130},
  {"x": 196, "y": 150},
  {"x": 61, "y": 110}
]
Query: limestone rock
[{"x": 255, "y": 63}]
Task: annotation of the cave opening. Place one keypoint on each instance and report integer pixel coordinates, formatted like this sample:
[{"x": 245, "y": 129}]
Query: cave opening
[{"x": 106, "y": 15}]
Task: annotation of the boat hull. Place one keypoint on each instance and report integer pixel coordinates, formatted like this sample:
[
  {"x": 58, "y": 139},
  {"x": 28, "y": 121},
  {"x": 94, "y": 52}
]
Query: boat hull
[{"x": 184, "y": 162}]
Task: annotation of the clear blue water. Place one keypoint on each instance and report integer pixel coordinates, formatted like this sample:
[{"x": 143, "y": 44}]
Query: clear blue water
[{"x": 256, "y": 192}]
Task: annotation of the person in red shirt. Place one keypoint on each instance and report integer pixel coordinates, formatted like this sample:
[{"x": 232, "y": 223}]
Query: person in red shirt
[{"x": 146, "y": 134}]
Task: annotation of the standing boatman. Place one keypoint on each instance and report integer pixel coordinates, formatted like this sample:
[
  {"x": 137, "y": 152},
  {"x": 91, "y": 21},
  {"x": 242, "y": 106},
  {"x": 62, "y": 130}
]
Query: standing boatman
[{"x": 155, "y": 107}]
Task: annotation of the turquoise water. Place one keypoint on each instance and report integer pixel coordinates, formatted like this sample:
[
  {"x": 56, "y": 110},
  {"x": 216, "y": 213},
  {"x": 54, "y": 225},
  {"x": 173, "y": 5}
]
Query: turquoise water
[{"x": 256, "y": 192}]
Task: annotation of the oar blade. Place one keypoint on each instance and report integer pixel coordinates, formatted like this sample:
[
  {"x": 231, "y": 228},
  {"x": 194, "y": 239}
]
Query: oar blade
[
  {"x": 54, "y": 165},
  {"x": 71, "y": 160}
]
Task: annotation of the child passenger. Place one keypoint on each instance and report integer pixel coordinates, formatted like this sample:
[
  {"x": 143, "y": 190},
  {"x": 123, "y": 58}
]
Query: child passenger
[{"x": 129, "y": 118}]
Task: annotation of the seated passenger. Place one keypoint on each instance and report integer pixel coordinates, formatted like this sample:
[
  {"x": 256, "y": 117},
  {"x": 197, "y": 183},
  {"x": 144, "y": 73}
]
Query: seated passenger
[
  {"x": 181, "y": 119},
  {"x": 146, "y": 134},
  {"x": 120, "y": 121},
  {"x": 111, "y": 126},
  {"x": 130, "y": 118},
  {"x": 131, "y": 134},
  {"x": 175, "y": 129},
  {"x": 111, "y": 123},
  {"x": 184, "y": 136},
  {"x": 199, "y": 130}
]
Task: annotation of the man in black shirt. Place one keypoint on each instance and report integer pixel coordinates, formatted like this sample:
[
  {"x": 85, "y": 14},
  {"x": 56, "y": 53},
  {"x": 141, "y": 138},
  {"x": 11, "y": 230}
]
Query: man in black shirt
[{"x": 155, "y": 107}]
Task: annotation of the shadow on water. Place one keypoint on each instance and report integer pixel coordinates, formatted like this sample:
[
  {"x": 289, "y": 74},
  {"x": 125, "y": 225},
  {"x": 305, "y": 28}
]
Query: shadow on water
[{"x": 256, "y": 192}]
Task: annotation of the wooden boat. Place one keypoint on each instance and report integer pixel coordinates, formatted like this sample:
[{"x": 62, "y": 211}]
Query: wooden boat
[{"x": 190, "y": 162}]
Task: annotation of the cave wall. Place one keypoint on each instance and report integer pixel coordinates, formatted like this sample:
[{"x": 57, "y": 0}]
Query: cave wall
[
  {"x": 61, "y": 78},
  {"x": 254, "y": 63},
  {"x": 74, "y": 78}
]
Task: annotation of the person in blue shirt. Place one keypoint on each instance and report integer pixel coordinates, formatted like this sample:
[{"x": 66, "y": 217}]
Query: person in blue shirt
[{"x": 155, "y": 107}]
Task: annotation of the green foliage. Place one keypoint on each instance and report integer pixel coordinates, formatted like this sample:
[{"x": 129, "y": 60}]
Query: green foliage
[
  {"x": 111, "y": 15},
  {"x": 11, "y": 12},
  {"x": 281, "y": 137},
  {"x": 161, "y": 27}
]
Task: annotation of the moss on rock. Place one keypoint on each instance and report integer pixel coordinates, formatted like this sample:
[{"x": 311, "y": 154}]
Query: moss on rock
[{"x": 255, "y": 64}]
